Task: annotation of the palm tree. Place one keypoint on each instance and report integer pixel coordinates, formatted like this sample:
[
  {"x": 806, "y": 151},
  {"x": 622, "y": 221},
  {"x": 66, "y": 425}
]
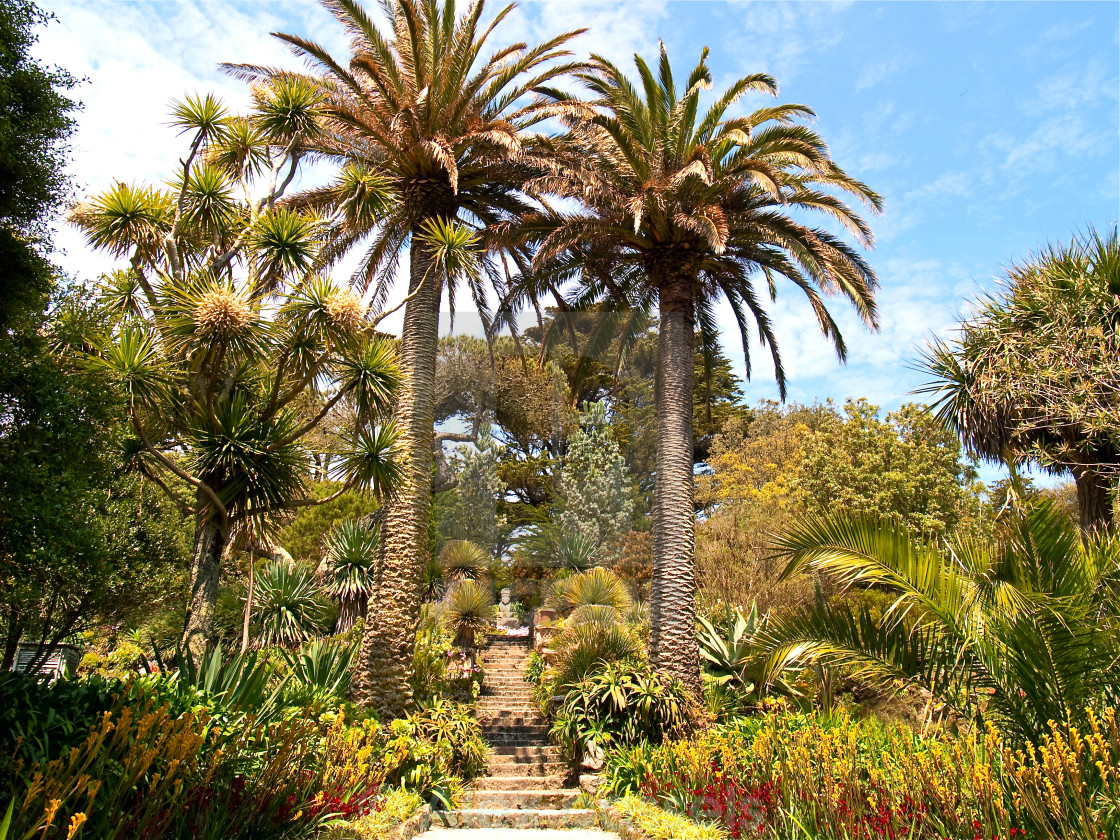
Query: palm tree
[
  {"x": 1020, "y": 633},
  {"x": 1033, "y": 375},
  {"x": 230, "y": 349},
  {"x": 420, "y": 111},
  {"x": 683, "y": 207}
]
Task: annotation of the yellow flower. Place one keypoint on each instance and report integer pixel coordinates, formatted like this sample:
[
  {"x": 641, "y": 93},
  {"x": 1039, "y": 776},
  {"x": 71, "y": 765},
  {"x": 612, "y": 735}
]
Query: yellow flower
[{"x": 76, "y": 823}]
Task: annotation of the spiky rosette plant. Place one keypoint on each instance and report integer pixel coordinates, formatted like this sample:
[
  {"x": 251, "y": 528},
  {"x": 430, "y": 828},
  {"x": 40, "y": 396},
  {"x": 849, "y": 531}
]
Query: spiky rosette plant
[
  {"x": 286, "y": 606},
  {"x": 469, "y": 612},
  {"x": 462, "y": 559},
  {"x": 349, "y": 565},
  {"x": 234, "y": 353}
]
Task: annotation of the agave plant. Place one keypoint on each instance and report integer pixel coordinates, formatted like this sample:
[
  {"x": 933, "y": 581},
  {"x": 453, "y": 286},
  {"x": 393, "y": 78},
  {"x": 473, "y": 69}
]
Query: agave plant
[
  {"x": 463, "y": 560},
  {"x": 597, "y": 587},
  {"x": 286, "y": 606},
  {"x": 734, "y": 652},
  {"x": 350, "y": 562},
  {"x": 1019, "y": 633},
  {"x": 469, "y": 611}
]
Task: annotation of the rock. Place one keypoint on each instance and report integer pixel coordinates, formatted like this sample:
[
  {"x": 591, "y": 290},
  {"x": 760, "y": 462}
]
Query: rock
[{"x": 589, "y": 783}]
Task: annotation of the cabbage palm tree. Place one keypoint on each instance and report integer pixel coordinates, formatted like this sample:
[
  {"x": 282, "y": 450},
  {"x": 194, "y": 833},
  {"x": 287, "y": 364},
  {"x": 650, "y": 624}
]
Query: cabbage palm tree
[
  {"x": 422, "y": 110},
  {"x": 1020, "y": 633},
  {"x": 683, "y": 207},
  {"x": 1033, "y": 375},
  {"x": 230, "y": 349}
]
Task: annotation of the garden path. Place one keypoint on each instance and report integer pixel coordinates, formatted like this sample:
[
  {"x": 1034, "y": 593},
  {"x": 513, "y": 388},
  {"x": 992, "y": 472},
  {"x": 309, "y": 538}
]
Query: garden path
[{"x": 525, "y": 785}]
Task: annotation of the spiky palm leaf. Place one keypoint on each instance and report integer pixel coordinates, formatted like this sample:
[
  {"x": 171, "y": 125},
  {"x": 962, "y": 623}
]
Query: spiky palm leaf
[
  {"x": 583, "y": 648},
  {"x": 1023, "y": 633}
]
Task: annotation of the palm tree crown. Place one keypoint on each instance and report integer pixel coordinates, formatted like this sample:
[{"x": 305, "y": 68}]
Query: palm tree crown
[{"x": 683, "y": 207}]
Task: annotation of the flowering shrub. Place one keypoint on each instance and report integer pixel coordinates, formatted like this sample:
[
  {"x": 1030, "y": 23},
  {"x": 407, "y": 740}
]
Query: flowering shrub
[{"x": 786, "y": 776}]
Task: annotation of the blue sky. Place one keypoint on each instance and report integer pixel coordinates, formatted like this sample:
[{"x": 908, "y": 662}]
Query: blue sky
[{"x": 989, "y": 128}]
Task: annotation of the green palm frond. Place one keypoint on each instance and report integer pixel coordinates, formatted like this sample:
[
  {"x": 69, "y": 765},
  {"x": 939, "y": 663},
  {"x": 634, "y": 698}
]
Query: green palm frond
[
  {"x": 1022, "y": 633},
  {"x": 134, "y": 361},
  {"x": 125, "y": 218},
  {"x": 288, "y": 107},
  {"x": 374, "y": 376}
]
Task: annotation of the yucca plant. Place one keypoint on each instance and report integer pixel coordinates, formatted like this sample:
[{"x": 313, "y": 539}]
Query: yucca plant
[
  {"x": 229, "y": 346},
  {"x": 286, "y": 606},
  {"x": 469, "y": 612},
  {"x": 463, "y": 560},
  {"x": 1019, "y": 633},
  {"x": 598, "y": 587},
  {"x": 582, "y": 649},
  {"x": 349, "y": 564}
]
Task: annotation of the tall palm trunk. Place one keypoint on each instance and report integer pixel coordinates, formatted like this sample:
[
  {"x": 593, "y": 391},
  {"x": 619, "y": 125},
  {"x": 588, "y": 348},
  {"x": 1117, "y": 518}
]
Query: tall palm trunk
[
  {"x": 673, "y": 646},
  {"x": 390, "y": 633},
  {"x": 206, "y": 562}
]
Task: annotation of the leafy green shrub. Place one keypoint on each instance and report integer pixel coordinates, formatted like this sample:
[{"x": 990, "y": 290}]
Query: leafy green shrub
[
  {"x": 453, "y": 726},
  {"x": 582, "y": 649},
  {"x": 622, "y": 704},
  {"x": 735, "y": 654}
]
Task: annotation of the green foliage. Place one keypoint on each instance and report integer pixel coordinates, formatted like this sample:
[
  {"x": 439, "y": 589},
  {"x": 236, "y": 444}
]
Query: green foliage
[
  {"x": 35, "y": 125},
  {"x": 321, "y": 668},
  {"x": 471, "y": 514},
  {"x": 286, "y": 605},
  {"x": 455, "y": 728},
  {"x": 908, "y": 465},
  {"x": 304, "y": 537},
  {"x": 583, "y": 649},
  {"x": 1019, "y": 633},
  {"x": 620, "y": 704},
  {"x": 658, "y": 824},
  {"x": 81, "y": 543},
  {"x": 351, "y": 553},
  {"x": 735, "y": 654}
]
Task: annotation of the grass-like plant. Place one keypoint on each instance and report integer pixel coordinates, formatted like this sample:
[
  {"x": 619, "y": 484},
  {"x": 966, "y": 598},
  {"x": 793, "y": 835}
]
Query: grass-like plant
[{"x": 286, "y": 605}]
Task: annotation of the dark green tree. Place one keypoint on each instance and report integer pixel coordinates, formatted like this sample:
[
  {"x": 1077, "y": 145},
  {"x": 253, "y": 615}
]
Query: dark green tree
[{"x": 35, "y": 124}]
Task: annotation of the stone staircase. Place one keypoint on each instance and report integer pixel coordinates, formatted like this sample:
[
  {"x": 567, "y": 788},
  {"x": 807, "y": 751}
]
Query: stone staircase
[{"x": 525, "y": 786}]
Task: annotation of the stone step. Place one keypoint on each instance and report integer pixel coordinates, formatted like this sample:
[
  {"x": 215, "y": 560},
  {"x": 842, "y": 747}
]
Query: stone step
[
  {"x": 522, "y": 769},
  {"x": 550, "y": 782},
  {"x": 532, "y": 771},
  {"x": 542, "y": 751},
  {"x": 504, "y": 719},
  {"x": 521, "y": 819},
  {"x": 522, "y": 800}
]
